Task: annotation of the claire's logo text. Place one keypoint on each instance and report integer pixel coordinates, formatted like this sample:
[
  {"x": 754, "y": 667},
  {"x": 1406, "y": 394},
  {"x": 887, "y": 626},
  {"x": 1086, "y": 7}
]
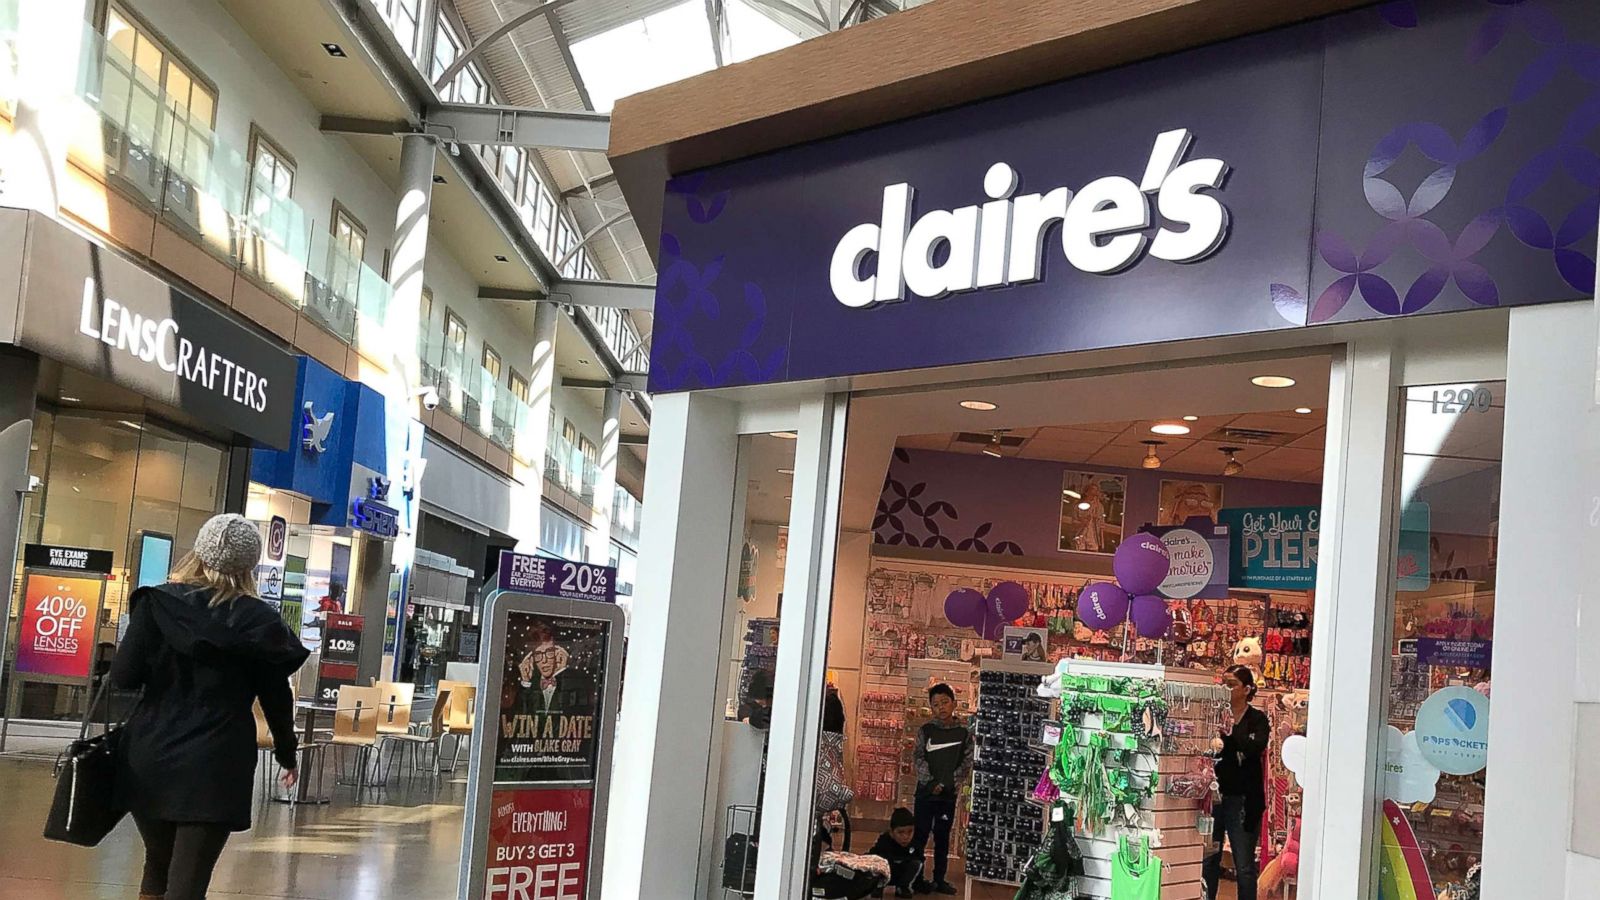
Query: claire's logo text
[{"x": 1104, "y": 230}]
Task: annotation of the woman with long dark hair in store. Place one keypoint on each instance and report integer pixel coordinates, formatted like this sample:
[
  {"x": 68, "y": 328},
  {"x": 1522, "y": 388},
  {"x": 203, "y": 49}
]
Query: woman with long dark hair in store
[
  {"x": 1241, "y": 748},
  {"x": 203, "y": 648}
]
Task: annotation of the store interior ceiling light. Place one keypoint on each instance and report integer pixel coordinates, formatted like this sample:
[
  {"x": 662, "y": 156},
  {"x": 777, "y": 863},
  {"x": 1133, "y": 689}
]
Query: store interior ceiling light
[
  {"x": 1233, "y": 466},
  {"x": 995, "y": 443},
  {"x": 978, "y": 405},
  {"x": 1169, "y": 428},
  {"x": 66, "y": 399},
  {"x": 1303, "y": 410},
  {"x": 786, "y": 435},
  {"x": 1272, "y": 381},
  {"x": 1191, "y": 418},
  {"x": 785, "y": 471},
  {"x": 1151, "y": 460},
  {"x": 1084, "y": 505}
]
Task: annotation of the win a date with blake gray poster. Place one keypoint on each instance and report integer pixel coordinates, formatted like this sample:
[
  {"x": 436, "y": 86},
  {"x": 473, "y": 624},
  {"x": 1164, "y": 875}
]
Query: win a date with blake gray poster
[{"x": 549, "y": 722}]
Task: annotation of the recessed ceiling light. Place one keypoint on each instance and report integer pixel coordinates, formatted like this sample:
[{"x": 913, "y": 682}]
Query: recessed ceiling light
[
  {"x": 334, "y": 50},
  {"x": 1303, "y": 410},
  {"x": 66, "y": 399},
  {"x": 1170, "y": 428},
  {"x": 500, "y": 258},
  {"x": 786, "y": 435},
  {"x": 1191, "y": 418},
  {"x": 1272, "y": 381},
  {"x": 131, "y": 424},
  {"x": 583, "y": 362},
  {"x": 1084, "y": 505},
  {"x": 785, "y": 471},
  {"x": 979, "y": 405},
  {"x": 438, "y": 179},
  {"x": 788, "y": 496}
]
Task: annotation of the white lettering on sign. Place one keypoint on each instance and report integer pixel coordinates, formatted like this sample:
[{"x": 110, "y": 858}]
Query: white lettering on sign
[
  {"x": 157, "y": 341},
  {"x": 1103, "y": 230}
]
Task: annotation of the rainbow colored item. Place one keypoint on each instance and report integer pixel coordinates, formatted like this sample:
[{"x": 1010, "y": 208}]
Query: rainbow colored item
[{"x": 1402, "y": 872}]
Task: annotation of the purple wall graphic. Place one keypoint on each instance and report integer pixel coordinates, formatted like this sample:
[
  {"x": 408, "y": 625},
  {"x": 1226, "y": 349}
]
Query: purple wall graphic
[
  {"x": 960, "y": 501},
  {"x": 1414, "y": 157}
]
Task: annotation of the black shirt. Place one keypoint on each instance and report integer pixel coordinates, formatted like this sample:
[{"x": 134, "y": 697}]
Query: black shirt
[
  {"x": 1239, "y": 769},
  {"x": 890, "y": 849}
]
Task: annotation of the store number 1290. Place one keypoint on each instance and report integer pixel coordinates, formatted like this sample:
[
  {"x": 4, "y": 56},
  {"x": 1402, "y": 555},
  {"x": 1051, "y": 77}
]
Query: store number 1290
[{"x": 1458, "y": 401}]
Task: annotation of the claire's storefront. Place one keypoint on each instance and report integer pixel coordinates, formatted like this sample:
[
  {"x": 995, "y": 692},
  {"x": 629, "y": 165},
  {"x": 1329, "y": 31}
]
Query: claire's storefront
[{"x": 1312, "y": 306}]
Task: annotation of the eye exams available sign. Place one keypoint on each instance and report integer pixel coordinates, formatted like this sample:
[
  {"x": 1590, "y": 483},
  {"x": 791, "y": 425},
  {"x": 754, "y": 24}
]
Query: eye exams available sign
[{"x": 92, "y": 309}]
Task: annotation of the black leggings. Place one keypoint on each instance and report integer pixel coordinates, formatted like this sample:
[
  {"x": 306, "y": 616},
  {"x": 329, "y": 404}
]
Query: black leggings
[{"x": 179, "y": 857}]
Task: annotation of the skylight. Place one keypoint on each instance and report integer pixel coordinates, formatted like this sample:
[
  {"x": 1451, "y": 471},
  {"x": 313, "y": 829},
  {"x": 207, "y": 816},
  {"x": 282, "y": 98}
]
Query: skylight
[{"x": 669, "y": 46}]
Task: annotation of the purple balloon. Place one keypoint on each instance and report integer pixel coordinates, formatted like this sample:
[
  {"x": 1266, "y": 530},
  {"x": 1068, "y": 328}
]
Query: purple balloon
[
  {"x": 1009, "y": 600},
  {"x": 1141, "y": 563},
  {"x": 964, "y": 608},
  {"x": 1102, "y": 605},
  {"x": 1151, "y": 618}
]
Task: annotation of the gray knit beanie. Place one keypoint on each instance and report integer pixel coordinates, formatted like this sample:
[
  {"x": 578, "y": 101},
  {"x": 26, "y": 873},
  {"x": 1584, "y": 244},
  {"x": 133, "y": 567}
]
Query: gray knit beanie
[{"x": 229, "y": 544}]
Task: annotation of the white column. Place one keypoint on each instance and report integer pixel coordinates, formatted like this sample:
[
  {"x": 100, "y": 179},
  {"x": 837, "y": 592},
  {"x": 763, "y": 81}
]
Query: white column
[
  {"x": 784, "y": 863},
  {"x": 605, "y": 484},
  {"x": 1549, "y": 495},
  {"x": 53, "y": 37},
  {"x": 410, "y": 250},
  {"x": 665, "y": 735},
  {"x": 1348, "y": 667},
  {"x": 533, "y": 441}
]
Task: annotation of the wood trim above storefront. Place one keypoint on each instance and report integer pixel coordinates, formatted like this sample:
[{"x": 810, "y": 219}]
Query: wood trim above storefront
[{"x": 933, "y": 57}]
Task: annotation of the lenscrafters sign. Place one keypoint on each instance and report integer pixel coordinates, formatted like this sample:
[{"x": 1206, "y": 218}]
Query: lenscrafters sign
[{"x": 95, "y": 311}]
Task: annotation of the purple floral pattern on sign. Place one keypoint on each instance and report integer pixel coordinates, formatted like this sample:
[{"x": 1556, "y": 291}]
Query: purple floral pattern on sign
[
  {"x": 907, "y": 517},
  {"x": 1452, "y": 260},
  {"x": 687, "y": 292}
]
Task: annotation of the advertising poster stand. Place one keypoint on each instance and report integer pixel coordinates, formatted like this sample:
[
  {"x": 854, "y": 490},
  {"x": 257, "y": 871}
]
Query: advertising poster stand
[
  {"x": 63, "y": 594},
  {"x": 549, "y": 688}
]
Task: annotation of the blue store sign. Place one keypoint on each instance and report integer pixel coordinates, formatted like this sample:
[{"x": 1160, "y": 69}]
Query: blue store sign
[
  {"x": 1274, "y": 548},
  {"x": 342, "y": 457}
]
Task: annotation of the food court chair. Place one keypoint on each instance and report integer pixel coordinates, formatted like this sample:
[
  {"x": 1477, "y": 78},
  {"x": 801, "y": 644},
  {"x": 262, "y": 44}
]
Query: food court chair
[
  {"x": 461, "y": 717},
  {"x": 355, "y": 733},
  {"x": 394, "y": 718},
  {"x": 422, "y": 737}
]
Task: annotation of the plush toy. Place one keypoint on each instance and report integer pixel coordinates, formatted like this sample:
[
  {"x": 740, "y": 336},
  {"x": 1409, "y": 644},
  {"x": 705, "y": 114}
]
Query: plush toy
[
  {"x": 1283, "y": 865},
  {"x": 1248, "y": 653}
]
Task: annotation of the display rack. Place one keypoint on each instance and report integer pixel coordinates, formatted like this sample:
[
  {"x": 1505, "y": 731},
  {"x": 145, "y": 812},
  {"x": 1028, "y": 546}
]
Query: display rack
[
  {"x": 1004, "y": 829},
  {"x": 1168, "y": 821}
]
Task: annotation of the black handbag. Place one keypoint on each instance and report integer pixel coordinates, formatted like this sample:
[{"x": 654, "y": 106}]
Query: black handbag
[{"x": 84, "y": 809}]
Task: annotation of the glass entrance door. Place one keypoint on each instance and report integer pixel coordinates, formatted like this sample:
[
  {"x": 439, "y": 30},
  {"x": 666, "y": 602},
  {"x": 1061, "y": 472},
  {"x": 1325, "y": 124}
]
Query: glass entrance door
[{"x": 1434, "y": 765}]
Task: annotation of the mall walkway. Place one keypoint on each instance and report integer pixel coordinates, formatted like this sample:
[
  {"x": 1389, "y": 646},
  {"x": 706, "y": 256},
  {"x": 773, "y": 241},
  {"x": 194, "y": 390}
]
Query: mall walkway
[{"x": 404, "y": 845}]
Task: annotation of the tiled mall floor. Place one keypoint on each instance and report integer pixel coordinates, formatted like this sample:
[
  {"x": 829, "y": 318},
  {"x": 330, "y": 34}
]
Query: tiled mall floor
[{"x": 399, "y": 845}]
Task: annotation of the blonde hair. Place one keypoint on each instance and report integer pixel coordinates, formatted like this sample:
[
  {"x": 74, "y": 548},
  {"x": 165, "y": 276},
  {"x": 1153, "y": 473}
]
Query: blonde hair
[{"x": 225, "y": 587}]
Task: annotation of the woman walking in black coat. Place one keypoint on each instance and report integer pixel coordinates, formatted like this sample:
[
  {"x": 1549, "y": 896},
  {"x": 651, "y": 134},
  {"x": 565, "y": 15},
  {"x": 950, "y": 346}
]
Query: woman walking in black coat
[{"x": 203, "y": 648}]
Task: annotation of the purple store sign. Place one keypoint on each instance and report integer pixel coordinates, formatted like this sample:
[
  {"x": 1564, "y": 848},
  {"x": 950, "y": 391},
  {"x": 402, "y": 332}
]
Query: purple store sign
[
  {"x": 1273, "y": 181},
  {"x": 525, "y": 574}
]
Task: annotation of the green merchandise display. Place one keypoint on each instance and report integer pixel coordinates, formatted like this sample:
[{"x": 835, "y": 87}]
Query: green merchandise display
[{"x": 1135, "y": 873}]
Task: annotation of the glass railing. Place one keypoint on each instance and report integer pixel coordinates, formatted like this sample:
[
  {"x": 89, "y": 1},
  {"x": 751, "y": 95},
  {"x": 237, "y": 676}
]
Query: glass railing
[
  {"x": 625, "y": 517},
  {"x": 566, "y": 466},
  {"x": 131, "y": 133}
]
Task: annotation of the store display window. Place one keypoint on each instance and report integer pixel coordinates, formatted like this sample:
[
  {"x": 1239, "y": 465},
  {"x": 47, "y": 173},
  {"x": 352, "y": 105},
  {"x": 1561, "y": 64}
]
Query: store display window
[
  {"x": 1435, "y": 746},
  {"x": 107, "y": 481}
]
